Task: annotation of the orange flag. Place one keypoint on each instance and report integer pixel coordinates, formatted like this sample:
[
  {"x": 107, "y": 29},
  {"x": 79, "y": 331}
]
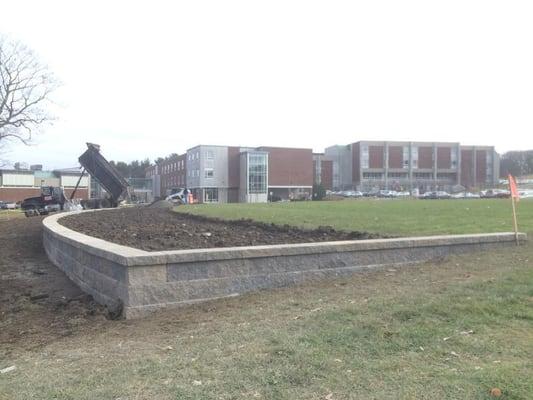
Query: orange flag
[{"x": 513, "y": 188}]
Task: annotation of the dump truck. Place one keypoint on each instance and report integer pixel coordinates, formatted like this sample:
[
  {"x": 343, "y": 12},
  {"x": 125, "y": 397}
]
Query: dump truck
[
  {"x": 106, "y": 175},
  {"x": 54, "y": 199}
]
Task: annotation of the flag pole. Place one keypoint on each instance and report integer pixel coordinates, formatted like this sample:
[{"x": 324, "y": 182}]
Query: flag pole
[
  {"x": 515, "y": 222},
  {"x": 514, "y": 195}
]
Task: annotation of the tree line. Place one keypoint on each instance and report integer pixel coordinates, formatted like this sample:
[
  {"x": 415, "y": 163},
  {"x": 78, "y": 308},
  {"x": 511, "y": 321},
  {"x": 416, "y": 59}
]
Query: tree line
[
  {"x": 137, "y": 168},
  {"x": 516, "y": 163},
  {"x": 133, "y": 169}
]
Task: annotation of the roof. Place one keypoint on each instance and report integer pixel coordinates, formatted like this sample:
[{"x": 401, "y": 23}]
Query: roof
[{"x": 19, "y": 171}]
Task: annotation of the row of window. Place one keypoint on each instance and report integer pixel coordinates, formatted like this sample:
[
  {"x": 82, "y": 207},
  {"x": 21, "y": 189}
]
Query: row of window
[
  {"x": 174, "y": 180},
  {"x": 172, "y": 167},
  {"x": 405, "y": 155},
  {"x": 208, "y": 173},
  {"x": 401, "y": 175},
  {"x": 209, "y": 155}
]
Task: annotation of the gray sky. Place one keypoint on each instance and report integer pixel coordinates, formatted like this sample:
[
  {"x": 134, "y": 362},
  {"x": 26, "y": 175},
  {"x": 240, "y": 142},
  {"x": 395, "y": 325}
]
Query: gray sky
[{"x": 146, "y": 79}]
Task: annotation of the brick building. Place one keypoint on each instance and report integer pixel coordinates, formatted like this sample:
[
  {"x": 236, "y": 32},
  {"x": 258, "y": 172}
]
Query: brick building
[
  {"x": 367, "y": 165},
  {"x": 19, "y": 184},
  {"x": 226, "y": 174},
  {"x": 221, "y": 174}
]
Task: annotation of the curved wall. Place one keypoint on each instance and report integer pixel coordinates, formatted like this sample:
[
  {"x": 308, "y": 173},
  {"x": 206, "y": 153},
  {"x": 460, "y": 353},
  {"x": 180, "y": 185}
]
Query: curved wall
[{"x": 141, "y": 281}]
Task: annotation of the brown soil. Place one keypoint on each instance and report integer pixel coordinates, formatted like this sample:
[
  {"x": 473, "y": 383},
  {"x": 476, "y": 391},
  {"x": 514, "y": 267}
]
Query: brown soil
[
  {"x": 159, "y": 229},
  {"x": 38, "y": 303}
]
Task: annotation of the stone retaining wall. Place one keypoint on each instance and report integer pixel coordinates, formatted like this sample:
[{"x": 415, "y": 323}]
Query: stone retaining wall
[{"x": 141, "y": 281}]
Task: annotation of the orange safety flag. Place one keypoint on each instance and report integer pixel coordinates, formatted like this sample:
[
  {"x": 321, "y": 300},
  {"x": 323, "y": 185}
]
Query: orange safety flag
[{"x": 513, "y": 188}]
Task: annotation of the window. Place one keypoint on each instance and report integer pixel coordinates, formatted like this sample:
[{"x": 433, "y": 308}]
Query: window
[
  {"x": 414, "y": 157},
  {"x": 406, "y": 156},
  {"x": 257, "y": 173},
  {"x": 454, "y": 157},
  {"x": 209, "y": 155},
  {"x": 423, "y": 175},
  {"x": 197, "y": 155},
  {"x": 447, "y": 177},
  {"x": 208, "y": 173},
  {"x": 397, "y": 175},
  {"x": 211, "y": 195},
  {"x": 373, "y": 175},
  {"x": 364, "y": 156}
]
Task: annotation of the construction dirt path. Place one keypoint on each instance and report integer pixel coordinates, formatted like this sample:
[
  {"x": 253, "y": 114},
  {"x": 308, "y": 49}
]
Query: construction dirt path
[
  {"x": 155, "y": 229},
  {"x": 38, "y": 303}
]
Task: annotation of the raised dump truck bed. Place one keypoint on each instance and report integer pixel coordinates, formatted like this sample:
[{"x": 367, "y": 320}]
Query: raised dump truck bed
[{"x": 100, "y": 169}]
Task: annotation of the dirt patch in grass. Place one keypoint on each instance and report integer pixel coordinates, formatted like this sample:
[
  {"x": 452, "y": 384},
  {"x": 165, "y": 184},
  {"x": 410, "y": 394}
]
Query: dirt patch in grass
[
  {"x": 38, "y": 303},
  {"x": 159, "y": 229}
]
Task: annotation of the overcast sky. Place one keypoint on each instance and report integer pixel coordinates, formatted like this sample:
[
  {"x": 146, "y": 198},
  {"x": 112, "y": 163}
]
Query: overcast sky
[{"x": 146, "y": 79}]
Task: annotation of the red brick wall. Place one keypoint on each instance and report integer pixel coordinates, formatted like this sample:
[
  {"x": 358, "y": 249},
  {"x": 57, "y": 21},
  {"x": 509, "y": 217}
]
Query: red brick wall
[
  {"x": 326, "y": 176},
  {"x": 173, "y": 177},
  {"x": 444, "y": 157},
  {"x": 10, "y": 194},
  {"x": 356, "y": 164},
  {"x": 395, "y": 157},
  {"x": 481, "y": 166},
  {"x": 234, "y": 169},
  {"x": 289, "y": 167},
  {"x": 425, "y": 157},
  {"x": 467, "y": 161},
  {"x": 375, "y": 157}
]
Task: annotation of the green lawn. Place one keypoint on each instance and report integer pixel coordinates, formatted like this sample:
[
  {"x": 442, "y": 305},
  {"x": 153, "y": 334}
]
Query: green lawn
[
  {"x": 6, "y": 215},
  {"x": 447, "y": 330},
  {"x": 396, "y": 217}
]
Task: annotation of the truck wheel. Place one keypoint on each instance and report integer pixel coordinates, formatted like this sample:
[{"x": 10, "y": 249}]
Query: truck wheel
[{"x": 30, "y": 212}]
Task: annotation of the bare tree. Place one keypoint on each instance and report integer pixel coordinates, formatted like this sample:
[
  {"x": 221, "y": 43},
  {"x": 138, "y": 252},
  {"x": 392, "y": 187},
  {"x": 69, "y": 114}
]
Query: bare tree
[{"x": 25, "y": 87}]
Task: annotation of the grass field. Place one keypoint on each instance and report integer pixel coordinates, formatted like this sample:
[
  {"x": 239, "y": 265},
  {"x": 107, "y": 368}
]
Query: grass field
[
  {"x": 452, "y": 329},
  {"x": 6, "y": 215},
  {"x": 396, "y": 217}
]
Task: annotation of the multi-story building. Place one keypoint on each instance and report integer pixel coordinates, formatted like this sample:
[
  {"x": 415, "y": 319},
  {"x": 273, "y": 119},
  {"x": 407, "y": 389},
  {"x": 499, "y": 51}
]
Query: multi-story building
[
  {"x": 222, "y": 174},
  {"x": 424, "y": 166}
]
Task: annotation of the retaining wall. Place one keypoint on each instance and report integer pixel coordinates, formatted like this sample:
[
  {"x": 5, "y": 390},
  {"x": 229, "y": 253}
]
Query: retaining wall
[{"x": 141, "y": 281}]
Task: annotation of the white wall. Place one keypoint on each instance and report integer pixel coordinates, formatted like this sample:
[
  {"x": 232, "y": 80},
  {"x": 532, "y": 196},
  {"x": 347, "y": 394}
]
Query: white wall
[
  {"x": 13, "y": 179},
  {"x": 71, "y": 180}
]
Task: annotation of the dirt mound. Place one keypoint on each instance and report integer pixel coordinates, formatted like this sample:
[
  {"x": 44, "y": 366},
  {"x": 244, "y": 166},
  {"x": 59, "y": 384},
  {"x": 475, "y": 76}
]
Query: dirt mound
[
  {"x": 155, "y": 229},
  {"x": 161, "y": 204}
]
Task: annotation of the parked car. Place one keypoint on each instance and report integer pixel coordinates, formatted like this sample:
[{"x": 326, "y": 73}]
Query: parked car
[
  {"x": 465, "y": 195},
  {"x": 524, "y": 194},
  {"x": 354, "y": 193},
  {"x": 496, "y": 194},
  {"x": 387, "y": 194},
  {"x": 428, "y": 195},
  {"x": 403, "y": 194},
  {"x": 9, "y": 205},
  {"x": 435, "y": 195},
  {"x": 371, "y": 193}
]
